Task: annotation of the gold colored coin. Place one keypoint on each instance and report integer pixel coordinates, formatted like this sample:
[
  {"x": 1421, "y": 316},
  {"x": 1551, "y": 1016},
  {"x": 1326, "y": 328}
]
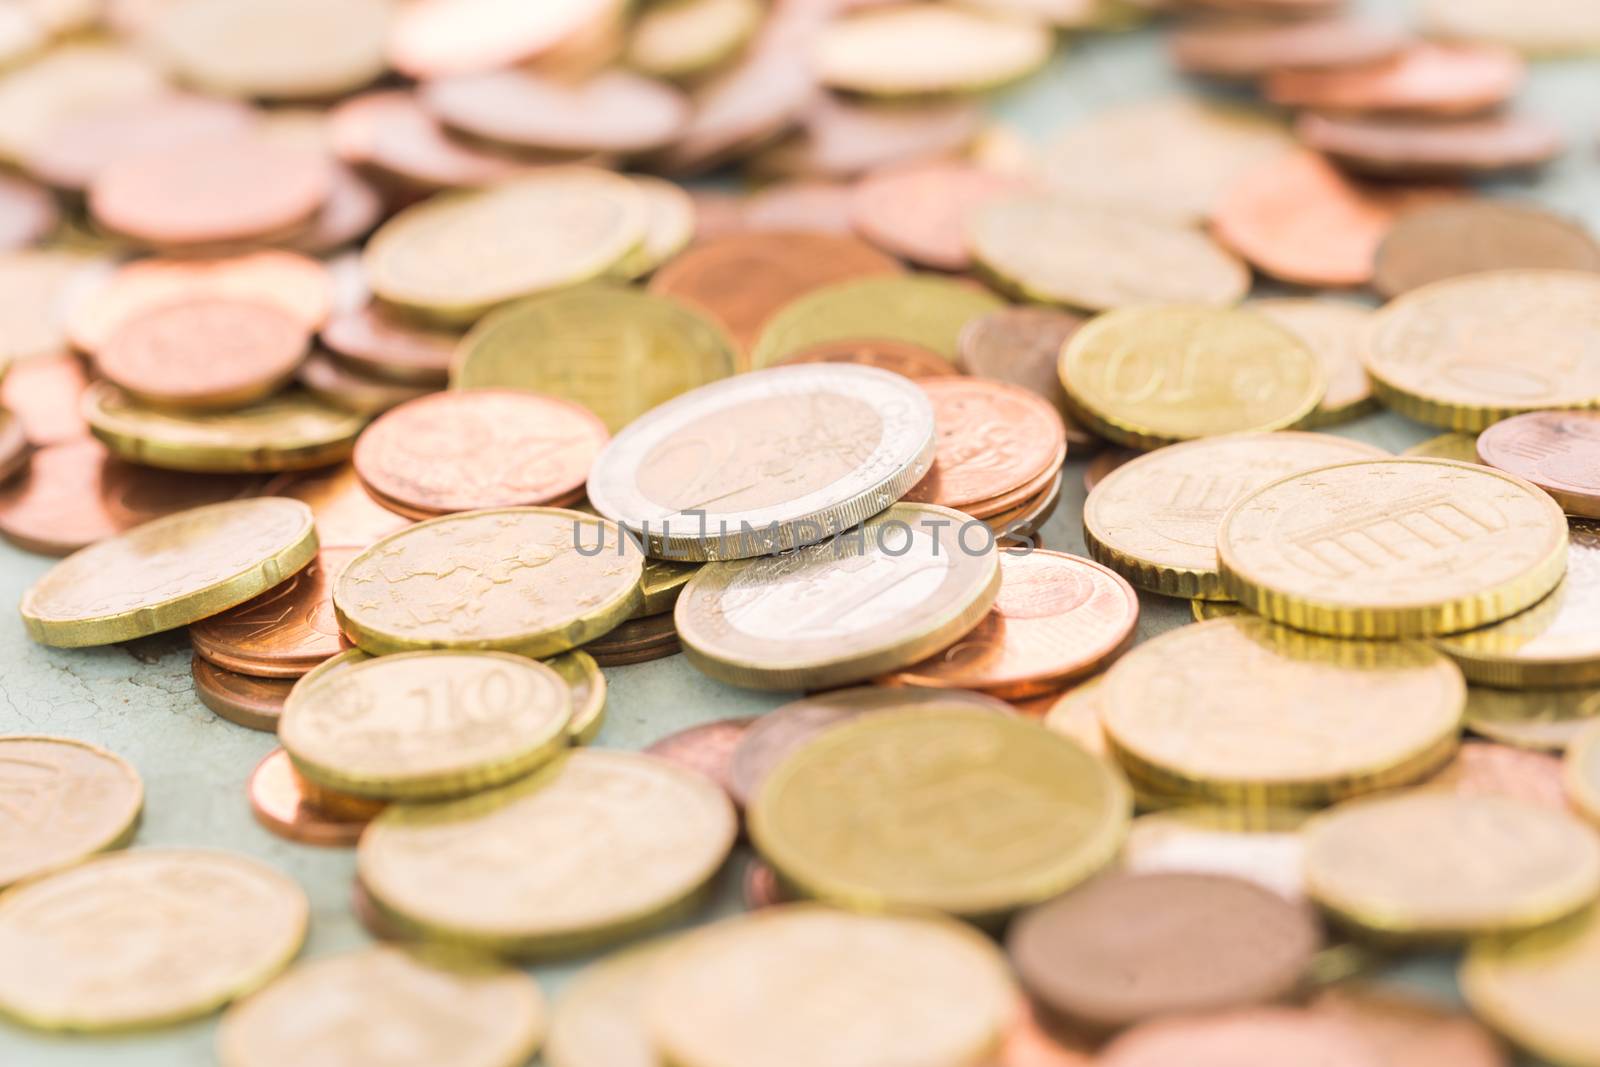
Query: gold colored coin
[
  {"x": 1435, "y": 865},
  {"x": 1462, "y": 447},
  {"x": 662, "y": 583},
  {"x": 1076, "y": 715},
  {"x": 895, "y": 590},
  {"x": 617, "y": 351},
  {"x": 457, "y": 255},
  {"x": 924, "y": 309},
  {"x": 594, "y": 847},
  {"x": 69, "y": 82},
  {"x": 922, "y": 49},
  {"x": 170, "y": 572},
  {"x": 588, "y": 685},
  {"x": 598, "y": 1020},
  {"x": 425, "y": 725},
  {"x": 1206, "y": 610},
  {"x": 1151, "y": 376},
  {"x": 1546, "y": 719},
  {"x": 288, "y": 432},
  {"x": 1537, "y": 988},
  {"x": 65, "y": 800},
  {"x": 1537, "y": 27},
  {"x": 80, "y": 950},
  {"x": 1555, "y": 643},
  {"x": 1155, "y": 519},
  {"x": 1438, "y": 354},
  {"x": 1050, "y": 250},
  {"x": 952, "y": 809},
  {"x": 420, "y": 1009},
  {"x": 744, "y": 991},
  {"x": 1336, "y": 333},
  {"x": 1393, "y": 547},
  {"x": 1320, "y": 720},
  {"x": 1261, "y": 845},
  {"x": 534, "y": 581},
  {"x": 686, "y": 38},
  {"x": 669, "y": 226},
  {"x": 1583, "y": 772}
]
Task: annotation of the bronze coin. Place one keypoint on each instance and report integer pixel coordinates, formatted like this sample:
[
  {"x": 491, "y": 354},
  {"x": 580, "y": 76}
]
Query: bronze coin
[
  {"x": 27, "y": 212},
  {"x": 614, "y": 111},
  {"x": 742, "y": 280},
  {"x": 902, "y": 357},
  {"x": 1130, "y": 947},
  {"x": 340, "y": 386},
  {"x": 433, "y": 38},
  {"x": 919, "y": 212},
  {"x": 1022, "y": 345},
  {"x": 284, "y": 632},
  {"x": 1420, "y": 148},
  {"x": 1244, "y": 48},
  {"x": 1300, "y": 220},
  {"x": 1469, "y": 235},
  {"x": 377, "y": 342},
  {"x": 1251, "y": 1037},
  {"x": 1437, "y": 80},
  {"x": 372, "y": 920},
  {"x": 761, "y": 886},
  {"x": 205, "y": 353},
  {"x": 993, "y": 438},
  {"x": 1484, "y": 768},
  {"x": 1028, "y": 1044},
  {"x": 706, "y": 748},
  {"x": 840, "y": 138},
  {"x": 640, "y": 640},
  {"x": 803, "y": 206},
  {"x": 13, "y": 445},
  {"x": 278, "y": 799},
  {"x": 717, "y": 214},
  {"x": 211, "y": 191},
  {"x": 354, "y": 206},
  {"x": 1025, "y": 520},
  {"x": 1559, "y": 451},
  {"x": 1408, "y": 1031},
  {"x": 394, "y": 140},
  {"x": 254, "y": 703},
  {"x": 346, "y": 515},
  {"x": 43, "y": 392}
]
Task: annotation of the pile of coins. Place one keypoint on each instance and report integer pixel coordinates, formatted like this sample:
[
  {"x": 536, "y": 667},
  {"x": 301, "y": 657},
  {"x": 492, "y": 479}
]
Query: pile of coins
[{"x": 394, "y": 352}]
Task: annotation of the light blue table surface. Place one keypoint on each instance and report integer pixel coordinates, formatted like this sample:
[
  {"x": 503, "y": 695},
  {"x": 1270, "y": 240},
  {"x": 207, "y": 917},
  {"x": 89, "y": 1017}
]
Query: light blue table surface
[{"x": 139, "y": 701}]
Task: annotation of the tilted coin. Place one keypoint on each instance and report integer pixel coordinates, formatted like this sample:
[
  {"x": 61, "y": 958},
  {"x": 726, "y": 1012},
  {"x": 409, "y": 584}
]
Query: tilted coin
[
  {"x": 1323, "y": 720},
  {"x": 1462, "y": 447},
  {"x": 613, "y": 350},
  {"x": 1245, "y": 1037},
  {"x": 1433, "y": 865},
  {"x": 1436, "y": 80},
  {"x": 1559, "y": 451},
  {"x": 1336, "y": 331},
  {"x": 287, "y": 432},
  {"x": 1131, "y": 947},
  {"x": 1154, "y": 520},
  {"x": 1048, "y": 249},
  {"x": 637, "y": 837},
  {"x": 535, "y": 581},
  {"x": 456, "y": 256},
  {"x": 1540, "y": 27},
  {"x": 588, "y": 686},
  {"x": 242, "y": 699},
  {"x": 284, "y": 803},
  {"x": 426, "y": 724},
  {"x": 170, "y": 572},
  {"x": 1537, "y": 988},
  {"x": 1151, "y": 376},
  {"x": 80, "y": 947},
  {"x": 613, "y": 111},
  {"x": 1482, "y": 768},
  {"x": 662, "y": 584},
  {"x": 1583, "y": 772},
  {"x": 686, "y": 38},
  {"x": 921, "y": 50},
  {"x": 1424, "y": 148},
  {"x": 1410, "y": 1030},
  {"x": 1548, "y": 719},
  {"x": 732, "y": 470},
  {"x": 67, "y": 800},
  {"x": 1260, "y": 845},
  {"x": 949, "y": 809},
  {"x": 671, "y": 226},
  {"x": 1393, "y": 547},
  {"x": 420, "y": 1008},
  {"x": 877, "y": 598},
  {"x": 284, "y": 632}
]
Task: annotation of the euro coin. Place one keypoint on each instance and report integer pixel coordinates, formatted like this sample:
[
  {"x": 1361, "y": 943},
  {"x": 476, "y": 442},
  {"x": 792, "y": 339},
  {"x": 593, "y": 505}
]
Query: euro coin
[
  {"x": 69, "y": 800},
  {"x": 1537, "y": 988},
  {"x": 1583, "y": 772},
  {"x": 588, "y": 688},
  {"x": 1548, "y": 719}
]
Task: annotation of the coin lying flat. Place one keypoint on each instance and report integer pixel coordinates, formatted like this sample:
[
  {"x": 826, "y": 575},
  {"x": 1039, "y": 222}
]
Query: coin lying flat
[
  {"x": 284, "y": 632},
  {"x": 454, "y": 257},
  {"x": 598, "y": 1020},
  {"x": 1022, "y": 345},
  {"x": 1335, "y": 331},
  {"x": 1556, "y": 450},
  {"x": 1259, "y": 845},
  {"x": 170, "y": 572},
  {"x": 933, "y": 48},
  {"x": 1410, "y": 1028},
  {"x": 509, "y": 579},
  {"x": 1541, "y": 27},
  {"x": 1461, "y": 447},
  {"x": 425, "y": 724},
  {"x": 439, "y": 37},
  {"x": 1245, "y": 1037},
  {"x": 1325, "y": 720},
  {"x": 841, "y": 137},
  {"x": 588, "y": 689},
  {"x": 1394, "y": 547},
  {"x": 1549, "y": 719},
  {"x": 638, "y": 839},
  {"x": 996, "y": 441},
  {"x": 1482, "y": 768},
  {"x": 79, "y": 946},
  {"x": 1249, "y": 50},
  {"x": 1431, "y": 79},
  {"x": 430, "y": 1007},
  {"x": 686, "y": 38},
  {"x": 1472, "y": 235},
  {"x": 1433, "y": 865},
  {"x": 254, "y": 703},
  {"x": 65, "y": 82},
  {"x": 729, "y": 470},
  {"x": 861, "y": 816},
  {"x": 875, "y": 599},
  {"x": 285, "y": 803},
  {"x": 951, "y": 994},
  {"x": 1423, "y": 148},
  {"x": 1583, "y": 772},
  {"x": 376, "y": 342},
  {"x": 1152, "y": 376},
  {"x": 67, "y": 800},
  {"x": 346, "y": 515},
  {"x": 613, "y": 111},
  {"x": 615, "y": 351},
  {"x": 1537, "y": 988},
  {"x": 1154, "y": 520},
  {"x": 919, "y": 211},
  {"x": 388, "y": 136}
]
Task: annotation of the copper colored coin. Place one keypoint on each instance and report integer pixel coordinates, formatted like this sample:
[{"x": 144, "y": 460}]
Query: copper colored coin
[
  {"x": 1022, "y": 345},
  {"x": 1559, "y": 451},
  {"x": 1469, "y": 235},
  {"x": 478, "y": 448},
  {"x": 919, "y": 212},
  {"x": 1028, "y": 1044},
  {"x": 614, "y": 111},
  {"x": 1131, "y": 947},
  {"x": 345, "y": 513},
  {"x": 1484, "y": 768},
  {"x": 706, "y": 748},
  {"x": 354, "y": 206},
  {"x": 431, "y": 38},
  {"x": 373, "y": 921},
  {"x": 1058, "y": 618},
  {"x": 27, "y": 212},
  {"x": 1029, "y": 516},
  {"x": 993, "y": 438},
  {"x": 1238, "y": 48},
  {"x": 1300, "y": 220},
  {"x": 278, "y": 799},
  {"x": 762, "y": 887},
  {"x": 1252, "y": 1037},
  {"x": 376, "y": 342},
  {"x": 284, "y": 632},
  {"x": 1422, "y": 148},
  {"x": 211, "y": 191},
  {"x": 741, "y": 281},
  {"x": 391, "y": 138},
  {"x": 254, "y": 703},
  {"x": 772, "y": 737},
  {"x": 336, "y": 384},
  {"x": 803, "y": 207},
  {"x": 840, "y": 138},
  {"x": 13, "y": 445},
  {"x": 1438, "y": 80},
  {"x": 1408, "y": 1031},
  {"x": 637, "y": 641},
  {"x": 901, "y": 357},
  {"x": 205, "y": 353}
]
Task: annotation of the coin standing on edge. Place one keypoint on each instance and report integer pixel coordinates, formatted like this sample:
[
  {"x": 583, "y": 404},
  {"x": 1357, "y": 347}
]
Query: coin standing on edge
[{"x": 67, "y": 799}]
